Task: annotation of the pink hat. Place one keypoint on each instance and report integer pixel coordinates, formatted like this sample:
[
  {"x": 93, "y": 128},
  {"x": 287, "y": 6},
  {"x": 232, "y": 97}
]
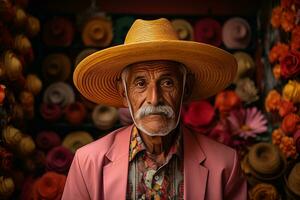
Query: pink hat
[
  {"x": 47, "y": 139},
  {"x": 236, "y": 33},
  {"x": 51, "y": 112},
  {"x": 59, "y": 159},
  {"x": 208, "y": 31}
]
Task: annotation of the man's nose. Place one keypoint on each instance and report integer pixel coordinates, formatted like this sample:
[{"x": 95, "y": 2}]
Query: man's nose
[{"x": 153, "y": 94}]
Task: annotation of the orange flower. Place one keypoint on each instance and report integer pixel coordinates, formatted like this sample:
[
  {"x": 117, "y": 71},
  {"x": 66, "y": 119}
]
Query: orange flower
[
  {"x": 277, "y": 135},
  {"x": 272, "y": 101},
  {"x": 295, "y": 38},
  {"x": 286, "y": 107},
  {"x": 287, "y": 146},
  {"x": 291, "y": 91},
  {"x": 277, "y": 71},
  {"x": 290, "y": 123},
  {"x": 278, "y": 52},
  {"x": 276, "y": 16},
  {"x": 288, "y": 18},
  {"x": 226, "y": 101}
]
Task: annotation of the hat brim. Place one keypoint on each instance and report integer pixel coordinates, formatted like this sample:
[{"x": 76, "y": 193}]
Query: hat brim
[{"x": 96, "y": 76}]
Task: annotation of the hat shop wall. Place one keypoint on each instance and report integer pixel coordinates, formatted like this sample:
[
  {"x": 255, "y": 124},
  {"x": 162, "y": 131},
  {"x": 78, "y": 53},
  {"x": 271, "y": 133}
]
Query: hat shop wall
[{"x": 44, "y": 119}]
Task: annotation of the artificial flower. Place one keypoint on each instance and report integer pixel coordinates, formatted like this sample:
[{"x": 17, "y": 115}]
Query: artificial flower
[
  {"x": 295, "y": 38},
  {"x": 276, "y": 17},
  {"x": 290, "y": 123},
  {"x": 287, "y": 146},
  {"x": 272, "y": 101},
  {"x": 290, "y": 65},
  {"x": 286, "y": 107},
  {"x": 288, "y": 18},
  {"x": 277, "y": 71},
  {"x": 291, "y": 91},
  {"x": 278, "y": 52},
  {"x": 226, "y": 101},
  {"x": 247, "y": 122},
  {"x": 246, "y": 90},
  {"x": 277, "y": 136}
]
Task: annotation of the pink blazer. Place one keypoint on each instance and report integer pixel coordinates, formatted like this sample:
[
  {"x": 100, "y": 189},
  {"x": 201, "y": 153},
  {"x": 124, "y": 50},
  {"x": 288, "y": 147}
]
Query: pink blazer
[{"x": 99, "y": 169}]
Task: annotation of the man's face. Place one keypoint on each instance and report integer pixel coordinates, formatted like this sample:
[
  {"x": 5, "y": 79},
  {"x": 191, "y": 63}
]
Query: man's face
[{"x": 154, "y": 91}]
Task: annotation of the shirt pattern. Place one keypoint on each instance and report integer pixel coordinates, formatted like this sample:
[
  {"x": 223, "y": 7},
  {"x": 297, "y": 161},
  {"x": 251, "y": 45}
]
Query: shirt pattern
[{"x": 147, "y": 179}]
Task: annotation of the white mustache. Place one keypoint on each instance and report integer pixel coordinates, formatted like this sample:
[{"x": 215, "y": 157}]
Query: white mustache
[{"x": 158, "y": 110}]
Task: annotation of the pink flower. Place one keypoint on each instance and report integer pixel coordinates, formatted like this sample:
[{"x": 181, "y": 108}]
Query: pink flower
[{"x": 247, "y": 122}]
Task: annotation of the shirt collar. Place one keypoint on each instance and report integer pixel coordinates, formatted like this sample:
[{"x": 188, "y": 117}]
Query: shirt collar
[{"x": 137, "y": 145}]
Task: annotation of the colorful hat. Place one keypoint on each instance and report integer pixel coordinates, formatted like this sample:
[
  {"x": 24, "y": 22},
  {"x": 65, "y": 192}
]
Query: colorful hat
[
  {"x": 59, "y": 159},
  {"x": 7, "y": 187},
  {"x": 11, "y": 135},
  {"x": 77, "y": 139},
  {"x": 51, "y": 112},
  {"x": 22, "y": 44},
  {"x": 50, "y": 186},
  {"x": 97, "y": 32},
  {"x": 121, "y": 27},
  {"x": 59, "y": 93},
  {"x": 95, "y": 77},
  {"x": 246, "y": 65},
  {"x": 83, "y": 54},
  {"x": 184, "y": 29},
  {"x": 26, "y": 145},
  {"x": 293, "y": 181},
  {"x": 125, "y": 116},
  {"x": 58, "y": 31},
  {"x": 266, "y": 162},
  {"x": 263, "y": 191},
  {"x": 236, "y": 33},
  {"x": 56, "y": 67},
  {"x": 33, "y": 84},
  {"x": 12, "y": 65},
  {"x": 20, "y": 17},
  {"x": 104, "y": 117},
  {"x": 75, "y": 113},
  {"x": 33, "y": 26},
  {"x": 46, "y": 140},
  {"x": 208, "y": 31}
]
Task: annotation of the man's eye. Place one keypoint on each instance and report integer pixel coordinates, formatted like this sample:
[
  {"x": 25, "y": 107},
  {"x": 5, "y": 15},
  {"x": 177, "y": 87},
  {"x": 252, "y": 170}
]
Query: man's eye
[
  {"x": 140, "y": 83},
  {"x": 167, "y": 83}
]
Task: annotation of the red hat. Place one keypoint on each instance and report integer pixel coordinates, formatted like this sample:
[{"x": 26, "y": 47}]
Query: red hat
[{"x": 208, "y": 31}]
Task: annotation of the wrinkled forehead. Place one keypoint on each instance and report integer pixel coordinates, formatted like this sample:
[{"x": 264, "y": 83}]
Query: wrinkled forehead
[{"x": 171, "y": 68}]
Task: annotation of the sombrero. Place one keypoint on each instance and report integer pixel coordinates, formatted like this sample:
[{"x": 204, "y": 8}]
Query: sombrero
[{"x": 96, "y": 76}]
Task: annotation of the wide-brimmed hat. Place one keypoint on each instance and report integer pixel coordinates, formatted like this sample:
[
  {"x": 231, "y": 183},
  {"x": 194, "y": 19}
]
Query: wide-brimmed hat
[
  {"x": 208, "y": 31},
  {"x": 184, "y": 29},
  {"x": 236, "y": 33},
  {"x": 97, "y": 32},
  {"x": 96, "y": 76}
]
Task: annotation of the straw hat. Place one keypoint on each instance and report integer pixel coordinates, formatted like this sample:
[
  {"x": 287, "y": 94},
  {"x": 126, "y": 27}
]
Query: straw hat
[
  {"x": 33, "y": 26},
  {"x": 59, "y": 93},
  {"x": 293, "y": 181},
  {"x": 96, "y": 76},
  {"x": 236, "y": 33},
  {"x": 97, "y": 32},
  {"x": 104, "y": 117},
  {"x": 246, "y": 65},
  {"x": 77, "y": 139},
  {"x": 56, "y": 67},
  {"x": 183, "y": 28},
  {"x": 264, "y": 191},
  {"x": 208, "y": 31},
  {"x": 121, "y": 27}
]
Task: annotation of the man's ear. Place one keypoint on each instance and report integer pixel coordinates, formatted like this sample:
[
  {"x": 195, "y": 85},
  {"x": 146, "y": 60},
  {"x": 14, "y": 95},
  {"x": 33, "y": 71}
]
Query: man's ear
[
  {"x": 121, "y": 90},
  {"x": 189, "y": 86}
]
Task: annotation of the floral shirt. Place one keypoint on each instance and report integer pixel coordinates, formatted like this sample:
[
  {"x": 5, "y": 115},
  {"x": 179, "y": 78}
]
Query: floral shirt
[{"x": 149, "y": 180}]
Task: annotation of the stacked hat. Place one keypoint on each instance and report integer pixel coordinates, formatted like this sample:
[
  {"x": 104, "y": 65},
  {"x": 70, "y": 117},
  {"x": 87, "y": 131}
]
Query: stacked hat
[
  {"x": 208, "y": 31},
  {"x": 104, "y": 117}
]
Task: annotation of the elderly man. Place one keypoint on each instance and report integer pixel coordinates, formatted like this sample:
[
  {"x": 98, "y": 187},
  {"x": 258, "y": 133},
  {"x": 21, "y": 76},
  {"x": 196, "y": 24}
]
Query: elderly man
[{"x": 153, "y": 74}]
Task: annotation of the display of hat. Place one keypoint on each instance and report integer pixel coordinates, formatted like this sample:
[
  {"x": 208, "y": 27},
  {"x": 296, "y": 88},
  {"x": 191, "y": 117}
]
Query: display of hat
[
  {"x": 104, "y": 117},
  {"x": 264, "y": 191},
  {"x": 125, "y": 116},
  {"x": 198, "y": 115},
  {"x": 97, "y": 32},
  {"x": 75, "y": 113},
  {"x": 208, "y": 31},
  {"x": 96, "y": 75},
  {"x": 7, "y": 187},
  {"x": 246, "y": 65},
  {"x": 77, "y": 139},
  {"x": 184, "y": 29},
  {"x": 51, "y": 112},
  {"x": 56, "y": 67},
  {"x": 121, "y": 27},
  {"x": 83, "y": 54},
  {"x": 293, "y": 181},
  {"x": 266, "y": 161},
  {"x": 12, "y": 65},
  {"x": 20, "y": 17},
  {"x": 58, "y": 31},
  {"x": 59, "y": 93},
  {"x": 22, "y": 44},
  {"x": 33, "y": 84},
  {"x": 236, "y": 33},
  {"x": 46, "y": 140},
  {"x": 11, "y": 135},
  {"x": 59, "y": 159},
  {"x": 26, "y": 145},
  {"x": 32, "y": 26},
  {"x": 50, "y": 186}
]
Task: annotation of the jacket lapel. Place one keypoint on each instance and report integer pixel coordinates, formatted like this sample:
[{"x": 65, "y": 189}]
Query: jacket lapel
[
  {"x": 115, "y": 173},
  {"x": 195, "y": 175}
]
